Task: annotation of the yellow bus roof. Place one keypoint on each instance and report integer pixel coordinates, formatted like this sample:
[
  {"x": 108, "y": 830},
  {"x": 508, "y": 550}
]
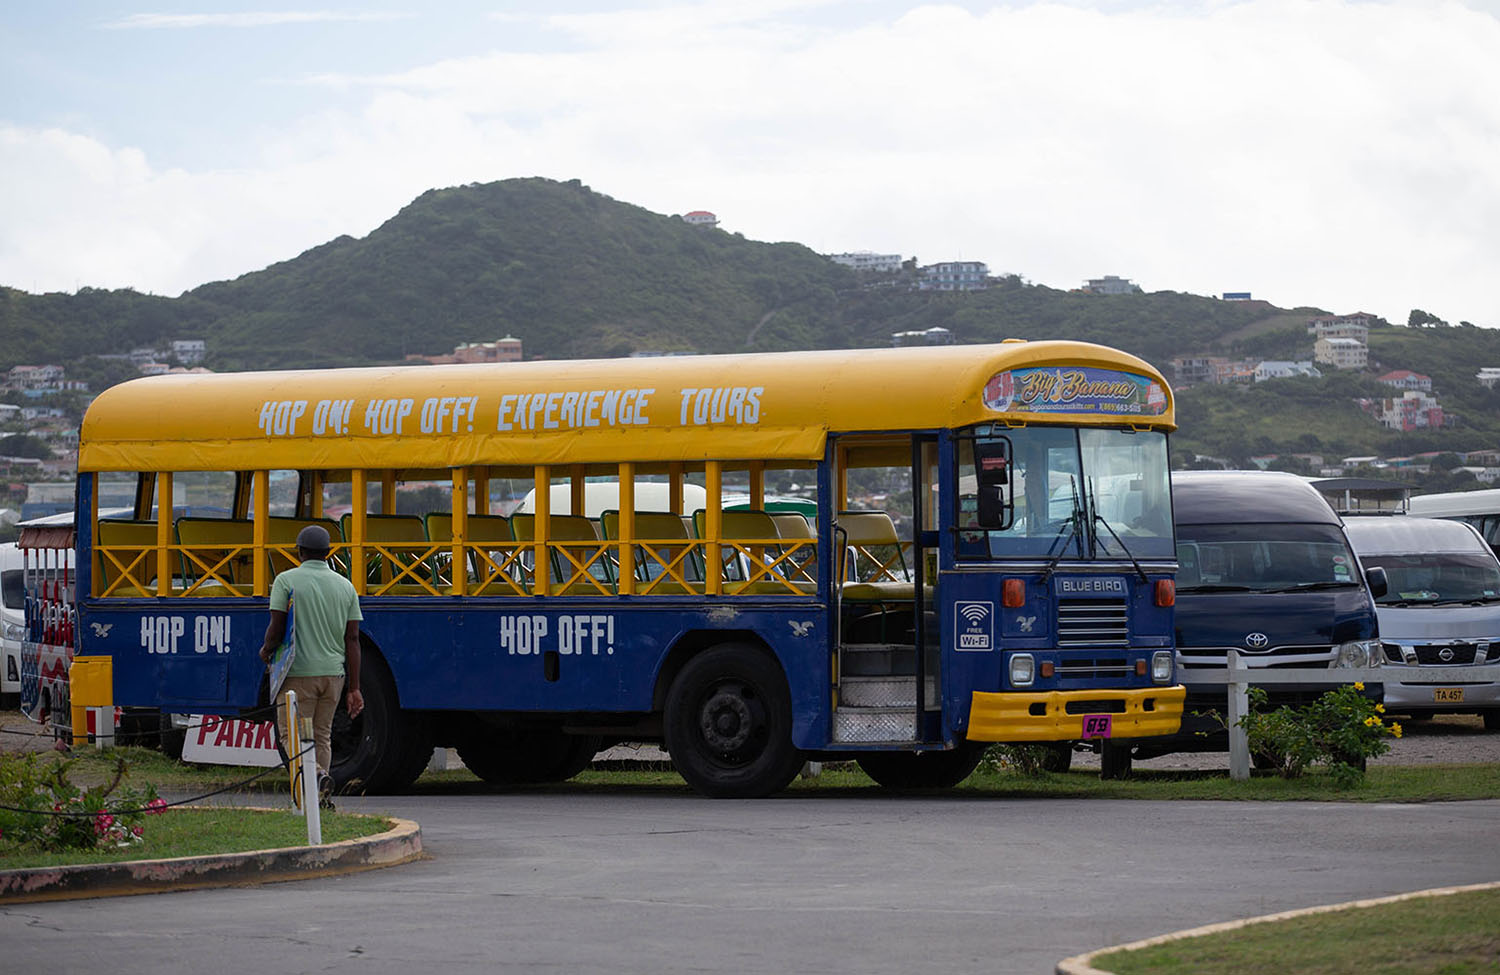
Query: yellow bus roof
[{"x": 772, "y": 406}]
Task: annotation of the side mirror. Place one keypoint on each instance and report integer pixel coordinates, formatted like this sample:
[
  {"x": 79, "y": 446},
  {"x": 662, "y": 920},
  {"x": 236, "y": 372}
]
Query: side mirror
[
  {"x": 1376, "y": 580},
  {"x": 996, "y": 499}
]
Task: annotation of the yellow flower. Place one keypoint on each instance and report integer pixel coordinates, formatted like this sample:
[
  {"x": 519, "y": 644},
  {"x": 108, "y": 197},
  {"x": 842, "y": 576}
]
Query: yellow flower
[
  {"x": 1380, "y": 708},
  {"x": 1359, "y": 685},
  {"x": 1395, "y": 729},
  {"x": 1371, "y": 721}
]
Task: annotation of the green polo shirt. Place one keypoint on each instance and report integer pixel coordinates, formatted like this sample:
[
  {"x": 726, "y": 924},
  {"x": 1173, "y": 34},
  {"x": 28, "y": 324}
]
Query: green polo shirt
[{"x": 323, "y": 602}]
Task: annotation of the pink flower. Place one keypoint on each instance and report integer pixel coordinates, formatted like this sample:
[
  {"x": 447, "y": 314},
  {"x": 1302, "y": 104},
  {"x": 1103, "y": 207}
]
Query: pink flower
[
  {"x": 156, "y": 806},
  {"x": 138, "y": 830}
]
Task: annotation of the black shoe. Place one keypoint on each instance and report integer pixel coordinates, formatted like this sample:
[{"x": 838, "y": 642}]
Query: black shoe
[{"x": 325, "y": 791}]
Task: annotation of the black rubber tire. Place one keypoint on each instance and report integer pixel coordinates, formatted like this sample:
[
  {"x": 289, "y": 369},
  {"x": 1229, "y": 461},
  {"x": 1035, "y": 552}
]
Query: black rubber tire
[
  {"x": 510, "y": 756},
  {"x": 171, "y": 739},
  {"x": 923, "y": 770},
  {"x": 1492, "y": 720},
  {"x": 728, "y": 724},
  {"x": 1114, "y": 761},
  {"x": 385, "y": 749},
  {"x": 1057, "y": 756}
]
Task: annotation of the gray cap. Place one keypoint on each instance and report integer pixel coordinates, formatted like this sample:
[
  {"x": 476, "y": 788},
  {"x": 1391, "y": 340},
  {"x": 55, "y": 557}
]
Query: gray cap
[{"x": 314, "y": 538}]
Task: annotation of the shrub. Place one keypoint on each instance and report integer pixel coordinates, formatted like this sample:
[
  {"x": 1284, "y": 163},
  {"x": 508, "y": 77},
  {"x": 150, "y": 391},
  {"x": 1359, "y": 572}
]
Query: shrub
[
  {"x": 41, "y": 809},
  {"x": 1341, "y": 729}
]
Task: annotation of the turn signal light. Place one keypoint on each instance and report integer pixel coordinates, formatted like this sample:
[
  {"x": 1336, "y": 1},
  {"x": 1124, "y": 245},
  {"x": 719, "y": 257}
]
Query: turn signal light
[
  {"x": 1013, "y": 593},
  {"x": 1048, "y": 668},
  {"x": 1166, "y": 592}
]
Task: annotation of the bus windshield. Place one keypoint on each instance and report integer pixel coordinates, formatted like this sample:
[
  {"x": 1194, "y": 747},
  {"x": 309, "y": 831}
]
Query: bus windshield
[
  {"x": 1438, "y": 578},
  {"x": 1065, "y": 493}
]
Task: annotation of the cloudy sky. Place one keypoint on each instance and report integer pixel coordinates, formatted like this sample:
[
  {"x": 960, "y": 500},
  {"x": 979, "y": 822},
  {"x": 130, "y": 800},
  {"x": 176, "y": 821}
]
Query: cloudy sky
[{"x": 1337, "y": 153}]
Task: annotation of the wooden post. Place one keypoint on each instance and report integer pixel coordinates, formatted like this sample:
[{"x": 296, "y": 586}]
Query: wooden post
[{"x": 1239, "y": 705}]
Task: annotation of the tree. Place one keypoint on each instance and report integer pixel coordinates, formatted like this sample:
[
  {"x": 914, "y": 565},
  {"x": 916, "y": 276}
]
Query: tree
[
  {"x": 25, "y": 445},
  {"x": 1421, "y": 319}
]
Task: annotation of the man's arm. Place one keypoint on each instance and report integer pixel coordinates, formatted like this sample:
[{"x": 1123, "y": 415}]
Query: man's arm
[
  {"x": 352, "y": 698},
  {"x": 275, "y": 633}
]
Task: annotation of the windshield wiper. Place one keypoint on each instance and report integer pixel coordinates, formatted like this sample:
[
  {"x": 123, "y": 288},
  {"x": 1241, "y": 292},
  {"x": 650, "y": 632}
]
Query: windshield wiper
[
  {"x": 1217, "y": 587},
  {"x": 1310, "y": 586},
  {"x": 1074, "y": 520},
  {"x": 1123, "y": 547}
]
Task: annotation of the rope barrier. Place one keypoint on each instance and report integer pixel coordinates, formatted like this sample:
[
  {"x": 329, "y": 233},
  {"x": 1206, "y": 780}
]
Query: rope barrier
[{"x": 266, "y": 713}]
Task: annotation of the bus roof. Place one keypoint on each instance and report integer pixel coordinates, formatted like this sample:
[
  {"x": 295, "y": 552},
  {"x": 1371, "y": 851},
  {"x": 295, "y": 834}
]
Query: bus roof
[
  {"x": 772, "y": 406},
  {"x": 1455, "y": 504}
]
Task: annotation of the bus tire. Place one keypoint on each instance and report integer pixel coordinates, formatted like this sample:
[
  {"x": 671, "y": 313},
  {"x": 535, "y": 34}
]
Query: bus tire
[
  {"x": 1057, "y": 756},
  {"x": 728, "y": 724},
  {"x": 1114, "y": 761},
  {"x": 923, "y": 770},
  {"x": 385, "y": 749},
  {"x": 527, "y": 756},
  {"x": 172, "y": 739}
]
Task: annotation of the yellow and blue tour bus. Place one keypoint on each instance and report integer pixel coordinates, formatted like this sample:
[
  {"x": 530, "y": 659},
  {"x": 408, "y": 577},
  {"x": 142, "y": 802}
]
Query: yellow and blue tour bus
[{"x": 983, "y": 553}]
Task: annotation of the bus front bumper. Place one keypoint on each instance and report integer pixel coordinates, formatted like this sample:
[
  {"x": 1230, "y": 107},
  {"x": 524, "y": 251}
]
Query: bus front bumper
[{"x": 1058, "y": 715}]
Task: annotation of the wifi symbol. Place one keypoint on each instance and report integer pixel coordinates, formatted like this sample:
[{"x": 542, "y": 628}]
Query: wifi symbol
[{"x": 975, "y": 613}]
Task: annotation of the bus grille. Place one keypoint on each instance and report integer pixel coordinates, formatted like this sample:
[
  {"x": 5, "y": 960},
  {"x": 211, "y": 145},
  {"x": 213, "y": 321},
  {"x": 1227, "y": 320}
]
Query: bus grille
[{"x": 1092, "y": 623}]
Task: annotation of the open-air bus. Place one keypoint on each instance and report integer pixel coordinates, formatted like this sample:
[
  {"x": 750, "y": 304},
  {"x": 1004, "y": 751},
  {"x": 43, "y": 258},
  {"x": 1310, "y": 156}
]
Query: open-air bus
[{"x": 991, "y": 558}]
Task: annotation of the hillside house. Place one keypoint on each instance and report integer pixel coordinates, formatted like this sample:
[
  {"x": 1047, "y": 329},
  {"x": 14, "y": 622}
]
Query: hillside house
[
  {"x": 1406, "y": 379},
  {"x": 954, "y": 276},
  {"x": 1356, "y": 326},
  {"x": 1412, "y": 410},
  {"x": 1341, "y": 353},
  {"x": 1281, "y": 369},
  {"x": 1488, "y": 376},
  {"x": 868, "y": 261},
  {"x": 700, "y": 218},
  {"x": 1111, "y": 285}
]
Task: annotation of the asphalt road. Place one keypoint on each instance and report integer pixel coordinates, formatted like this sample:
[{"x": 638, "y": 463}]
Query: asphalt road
[{"x": 652, "y": 883}]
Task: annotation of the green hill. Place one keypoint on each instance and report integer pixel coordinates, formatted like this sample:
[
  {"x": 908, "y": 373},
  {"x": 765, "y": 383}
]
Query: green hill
[{"x": 574, "y": 273}]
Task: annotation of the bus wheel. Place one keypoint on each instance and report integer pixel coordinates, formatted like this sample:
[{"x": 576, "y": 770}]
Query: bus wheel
[
  {"x": 729, "y": 724},
  {"x": 923, "y": 770},
  {"x": 1114, "y": 761},
  {"x": 385, "y": 748},
  {"x": 1057, "y": 756},
  {"x": 522, "y": 757}
]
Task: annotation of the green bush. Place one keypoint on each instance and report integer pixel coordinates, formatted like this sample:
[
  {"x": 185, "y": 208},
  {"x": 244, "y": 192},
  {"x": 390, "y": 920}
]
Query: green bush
[
  {"x": 41, "y": 810},
  {"x": 1341, "y": 729}
]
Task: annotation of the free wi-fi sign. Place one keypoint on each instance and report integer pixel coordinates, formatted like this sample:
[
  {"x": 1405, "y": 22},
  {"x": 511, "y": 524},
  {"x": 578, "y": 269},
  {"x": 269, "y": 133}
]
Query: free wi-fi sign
[{"x": 974, "y": 626}]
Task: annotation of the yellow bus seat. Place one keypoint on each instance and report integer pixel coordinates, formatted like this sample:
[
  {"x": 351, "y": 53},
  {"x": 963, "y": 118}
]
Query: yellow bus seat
[
  {"x": 217, "y": 556},
  {"x": 127, "y": 557},
  {"x": 873, "y": 566},
  {"x": 281, "y": 541},
  {"x": 667, "y": 560},
  {"x": 755, "y": 561},
  {"x": 396, "y": 554},
  {"x": 565, "y": 535},
  {"x": 490, "y": 544}
]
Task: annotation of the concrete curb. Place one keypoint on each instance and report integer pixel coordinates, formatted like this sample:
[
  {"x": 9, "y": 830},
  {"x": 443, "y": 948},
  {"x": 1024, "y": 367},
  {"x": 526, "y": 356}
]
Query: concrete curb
[
  {"x": 401, "y": 844},
  {"x": 1083, "y": 964}
]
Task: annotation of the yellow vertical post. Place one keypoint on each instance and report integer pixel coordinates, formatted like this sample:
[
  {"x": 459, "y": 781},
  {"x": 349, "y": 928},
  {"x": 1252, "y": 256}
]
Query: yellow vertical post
[
  {"x": 481, "y": 491},
  {"x": 542, "y": 516},
  {"x": 388, "y": 492},
  {"x": 713, "y": 521},
  {"x": 757, "y": 484},
  {"x": 163, "y": 535},
  {"x": 578, "y": 493},
  {"x": 358, "y": 498},
  {"x": 627, "y": 529},
  {"x": 459, "y": 570},
  {"x": 261, "y": 572},
  {"x": 841, "y": 482}
]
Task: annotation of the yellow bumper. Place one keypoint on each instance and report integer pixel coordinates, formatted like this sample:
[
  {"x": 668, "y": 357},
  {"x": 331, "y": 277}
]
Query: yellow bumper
[{"x": 1010, "y": 716}]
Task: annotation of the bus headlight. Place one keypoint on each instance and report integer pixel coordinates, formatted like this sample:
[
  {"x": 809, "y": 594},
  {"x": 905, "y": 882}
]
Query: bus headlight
[
  {"x": 1022, "y": 670},
  {"x": 1161, "y": 666},
  {"x": 14, "y": 632},
  {"x": 1358, "y": 653}
]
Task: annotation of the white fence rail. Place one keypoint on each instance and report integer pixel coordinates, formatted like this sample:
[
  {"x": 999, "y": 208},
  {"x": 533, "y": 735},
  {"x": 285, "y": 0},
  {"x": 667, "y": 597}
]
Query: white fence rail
[{"x": 1240, "y": 679}]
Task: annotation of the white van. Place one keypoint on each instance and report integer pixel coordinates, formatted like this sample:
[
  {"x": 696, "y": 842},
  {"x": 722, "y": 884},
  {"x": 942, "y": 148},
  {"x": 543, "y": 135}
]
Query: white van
[
  {"x": 13, "y": 628},
  {"x": 1442, "y": 609}
]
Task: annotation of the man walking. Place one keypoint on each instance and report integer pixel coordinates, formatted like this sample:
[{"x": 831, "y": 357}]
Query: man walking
[{"x": 326, "y": 637}]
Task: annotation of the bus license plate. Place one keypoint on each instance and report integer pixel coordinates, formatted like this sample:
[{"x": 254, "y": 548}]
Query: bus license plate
[
  {"x": 1447, "y": 695},
  {"x": 1097, "y": 725}
]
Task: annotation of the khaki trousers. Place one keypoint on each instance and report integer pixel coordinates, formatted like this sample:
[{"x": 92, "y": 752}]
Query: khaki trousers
[{"x": 317, "y": 697}]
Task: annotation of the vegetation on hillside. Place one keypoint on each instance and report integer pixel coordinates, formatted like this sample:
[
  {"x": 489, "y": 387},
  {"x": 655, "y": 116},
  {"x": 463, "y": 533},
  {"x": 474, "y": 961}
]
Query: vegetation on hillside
[{"x": 574, "y": 273}]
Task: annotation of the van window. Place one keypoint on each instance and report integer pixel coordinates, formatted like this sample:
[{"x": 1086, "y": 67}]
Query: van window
[
  {"x": 1263, "y": 557},
  {"x": 1438, "y": 578},
  {"x": 11, "y": 587}
]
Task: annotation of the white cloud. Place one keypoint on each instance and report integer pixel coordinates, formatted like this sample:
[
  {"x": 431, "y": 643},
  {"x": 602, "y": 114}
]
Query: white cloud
[
  {"x": 266, "y": 18},
  {"x": 1327, "y": 152}
]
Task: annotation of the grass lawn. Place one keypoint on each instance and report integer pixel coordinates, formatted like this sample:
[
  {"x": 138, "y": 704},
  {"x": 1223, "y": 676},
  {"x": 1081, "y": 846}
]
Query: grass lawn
[
  {"x": 182, "y": 832},
  {"x": 1457, "y": 934}
]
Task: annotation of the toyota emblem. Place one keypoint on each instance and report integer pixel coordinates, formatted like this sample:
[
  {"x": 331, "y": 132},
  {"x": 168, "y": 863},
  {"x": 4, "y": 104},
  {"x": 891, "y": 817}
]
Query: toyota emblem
[
  {"x": 1445, "y": 654},
  {"x": 1257, "y": 641}
]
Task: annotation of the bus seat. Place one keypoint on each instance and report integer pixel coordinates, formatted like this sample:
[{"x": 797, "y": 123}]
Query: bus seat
[
  {"x": 217, "y": 556},
  {"x": 127, "y": 557},
  {"x": 874, "y": 563},
  {"x": 281, "y": 541},
  {"x": 752, "y": 534},
  {"x": 794, "y": 528},
  {"x": 491, "y": 550},
  {"x": 396, "y": 555},
  {"x": 567, "y": 578},
  {"x": 663, "y": 541}
]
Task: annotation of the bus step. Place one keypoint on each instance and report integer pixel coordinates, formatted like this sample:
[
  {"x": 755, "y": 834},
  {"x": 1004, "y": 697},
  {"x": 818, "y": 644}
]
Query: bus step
[
  {"x": 877, "y": 659},
  {"x": 874, "y": 724},
  {"x": 889, "y": 691}
]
